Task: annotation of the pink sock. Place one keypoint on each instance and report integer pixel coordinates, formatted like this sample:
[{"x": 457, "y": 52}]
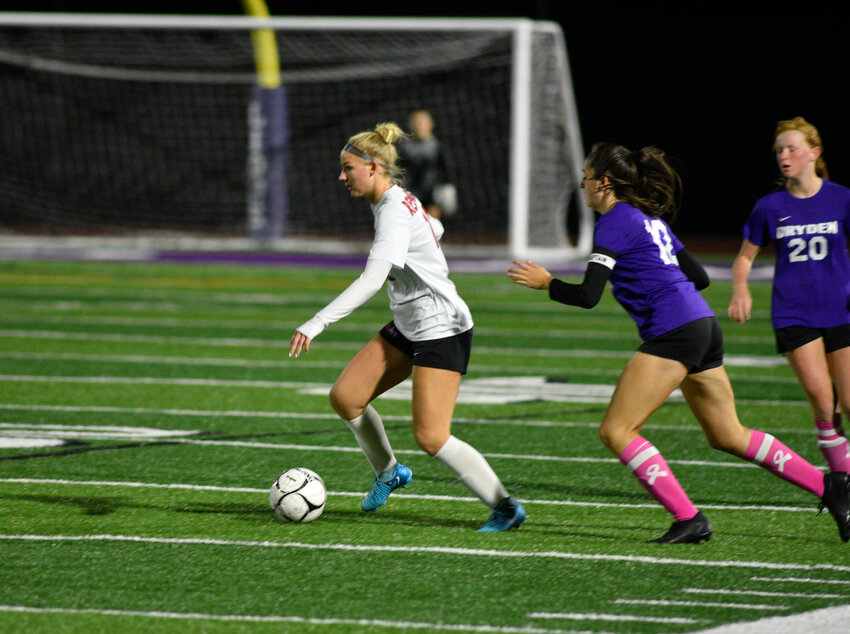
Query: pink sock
[
  {"x": 649, "y": 467},
  {"x": 771, "y": 454},
  {"x": 833, "y": 447}
]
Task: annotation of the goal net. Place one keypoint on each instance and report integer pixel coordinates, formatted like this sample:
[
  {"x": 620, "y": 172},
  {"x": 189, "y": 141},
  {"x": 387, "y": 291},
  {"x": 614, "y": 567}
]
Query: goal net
[{"x": 156, "y": 128}]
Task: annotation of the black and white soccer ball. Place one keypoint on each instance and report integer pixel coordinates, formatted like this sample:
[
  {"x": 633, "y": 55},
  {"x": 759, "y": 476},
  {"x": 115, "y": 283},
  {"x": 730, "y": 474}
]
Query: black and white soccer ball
[{"x": 298, "y": 495}]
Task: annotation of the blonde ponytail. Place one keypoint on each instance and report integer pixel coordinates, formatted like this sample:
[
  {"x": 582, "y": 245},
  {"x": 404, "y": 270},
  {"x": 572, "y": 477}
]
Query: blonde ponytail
[{"x": 379, "y": 144}]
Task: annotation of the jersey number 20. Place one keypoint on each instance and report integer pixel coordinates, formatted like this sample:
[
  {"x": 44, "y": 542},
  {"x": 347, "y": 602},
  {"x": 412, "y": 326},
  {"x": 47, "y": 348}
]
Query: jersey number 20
[{"x": 801, "y": 250}]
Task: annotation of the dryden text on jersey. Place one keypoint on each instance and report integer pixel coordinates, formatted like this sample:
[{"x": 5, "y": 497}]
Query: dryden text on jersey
[{"x": 807, "y": 230}]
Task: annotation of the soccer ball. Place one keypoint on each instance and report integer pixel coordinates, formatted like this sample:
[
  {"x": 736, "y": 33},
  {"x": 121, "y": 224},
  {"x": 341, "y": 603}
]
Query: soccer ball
[{"x": 298, "y": 495}]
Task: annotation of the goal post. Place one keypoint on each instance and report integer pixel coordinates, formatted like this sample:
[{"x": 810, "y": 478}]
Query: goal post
[
  {"x": 165, "y": 128},
  {"x": 268, "y": 133}
]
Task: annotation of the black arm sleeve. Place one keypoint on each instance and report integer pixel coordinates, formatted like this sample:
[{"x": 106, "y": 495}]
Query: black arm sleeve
[
  {"x": 693, "y": 270},
  {"x": 585, "y": 295}
]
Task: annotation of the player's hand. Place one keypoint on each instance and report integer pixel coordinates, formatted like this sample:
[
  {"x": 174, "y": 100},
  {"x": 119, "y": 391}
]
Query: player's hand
[
  {"x": 530, "y": 274},
  {"x": 740, "y": 306},
  {"x": 298, "y": 342}
]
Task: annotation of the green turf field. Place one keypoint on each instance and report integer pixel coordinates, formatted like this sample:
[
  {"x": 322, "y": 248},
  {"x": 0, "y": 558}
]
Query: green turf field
[{"x": 168, "y": 404}]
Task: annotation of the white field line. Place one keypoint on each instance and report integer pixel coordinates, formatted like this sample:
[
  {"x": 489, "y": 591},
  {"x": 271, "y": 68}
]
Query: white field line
[
  {"x": 288, "y": 328},
  {"x": 564, "y": 332},
  {"x": 176, "y": 412},
  {"x": 740, "y": 464},
  {"x": 152, "y": 380},
  {"x": 337, "y": 345},
  {"x": 400, "y": 495},
  {"x": 703, "y": 604},
  {"x": 333, "y": 417},
  {"x": 318, "y": 298},
  {"x": 171, "y": 340},
  {"x": 302, "y": 363},
  {"x": 763, "y": 593},
  {"x": 289, "y": 364},
  {"x": 628, "y": 618},
  {"x": 53, "y": 304},
  {"x": 259, "y": 618},
  {"x": 183, "y": 297},
  {"x": 199, "y": 361},
  {"x": 197, "y": 382},
  {"x": 445, "y": 550},
  {"x": 46, "y": 312},
  {"x": 283, "y": 343},
  {"x": 129, "y": 306},
  {"x": 368, "y": 319},
  {"x": 46, "y": 308},
  {"x": 99, "y": 432},
  {"x": 840, "y": 582}
]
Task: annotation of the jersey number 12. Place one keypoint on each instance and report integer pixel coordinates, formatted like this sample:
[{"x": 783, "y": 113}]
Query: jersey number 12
[{"x": 661, "y": 238}]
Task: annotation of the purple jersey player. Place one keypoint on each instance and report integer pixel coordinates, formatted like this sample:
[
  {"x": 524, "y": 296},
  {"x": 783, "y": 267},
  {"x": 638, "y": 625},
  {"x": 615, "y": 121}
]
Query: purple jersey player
[
  {"x": 808, "y": 221},
  {"x": 657, "y": 281},
  {"x": 647, "y": 280}
]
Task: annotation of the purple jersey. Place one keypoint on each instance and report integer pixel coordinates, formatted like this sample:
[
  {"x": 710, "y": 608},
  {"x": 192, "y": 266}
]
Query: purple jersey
[
  {"x": 811, "y": 284},
  {"x": 646, "y": 278}
]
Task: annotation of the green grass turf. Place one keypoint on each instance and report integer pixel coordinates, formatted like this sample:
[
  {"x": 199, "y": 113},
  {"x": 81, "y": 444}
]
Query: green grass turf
[{"x": 95, "y": 539}]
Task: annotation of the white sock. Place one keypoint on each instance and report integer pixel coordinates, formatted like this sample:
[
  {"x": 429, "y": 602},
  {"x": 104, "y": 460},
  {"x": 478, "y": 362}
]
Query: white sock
[
  {"x": 369, "y": 431},
  {"x": 473, "y": 471}
]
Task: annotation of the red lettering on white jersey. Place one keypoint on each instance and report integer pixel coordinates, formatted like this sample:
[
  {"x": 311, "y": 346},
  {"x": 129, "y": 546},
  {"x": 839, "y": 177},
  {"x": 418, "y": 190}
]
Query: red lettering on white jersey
[
  {"x": 410, "y": 202},
  {"x": 430, "y": 226}
]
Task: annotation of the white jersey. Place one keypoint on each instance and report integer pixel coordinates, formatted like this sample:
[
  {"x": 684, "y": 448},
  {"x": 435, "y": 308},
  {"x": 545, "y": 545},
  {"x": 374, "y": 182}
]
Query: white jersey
[{"x": 425, "y": 303}]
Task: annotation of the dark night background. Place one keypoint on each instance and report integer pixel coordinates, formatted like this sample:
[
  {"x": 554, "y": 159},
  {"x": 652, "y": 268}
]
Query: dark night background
[{"x": 706, "y": 86}]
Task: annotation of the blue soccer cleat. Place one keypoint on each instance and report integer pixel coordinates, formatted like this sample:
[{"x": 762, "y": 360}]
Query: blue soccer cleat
[
  {"x": 381, "y": 490},
  {"x": 509, "y": 514}
]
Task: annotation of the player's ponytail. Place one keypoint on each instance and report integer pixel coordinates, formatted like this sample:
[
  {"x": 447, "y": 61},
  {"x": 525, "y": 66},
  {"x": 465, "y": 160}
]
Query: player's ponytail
[
  {"x": 643, "y": 178},
  {"x": 389, "y": 132},
  {"x": 379, "y": 145}
]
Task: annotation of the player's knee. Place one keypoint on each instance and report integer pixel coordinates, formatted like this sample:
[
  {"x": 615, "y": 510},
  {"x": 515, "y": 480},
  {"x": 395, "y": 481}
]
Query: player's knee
[
  {"x": 823, "y": 410},
  {"x": 608, "y": 436},
  {"x": 718, "y": 442},
  {"x": 344, "y": 404},
  {"x": 821, "y": 400},
  {"x": 429, "y": 440},
  {"x": 617, "y": 436},
  {"x": 732, "y": 443}
]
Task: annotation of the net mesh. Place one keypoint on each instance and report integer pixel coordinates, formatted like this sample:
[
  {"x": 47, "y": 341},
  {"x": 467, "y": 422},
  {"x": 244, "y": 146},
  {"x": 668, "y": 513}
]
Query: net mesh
[{"x": 120, "y": 130}]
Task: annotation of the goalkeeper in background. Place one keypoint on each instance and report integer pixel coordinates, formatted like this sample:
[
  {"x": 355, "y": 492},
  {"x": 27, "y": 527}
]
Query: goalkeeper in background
[
  {"x": 429, "y": 338},
  {"x": 424, "y": 165}
]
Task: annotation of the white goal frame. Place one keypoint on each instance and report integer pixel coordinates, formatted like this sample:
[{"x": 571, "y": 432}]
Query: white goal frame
[{"x": 520, "y": 162}]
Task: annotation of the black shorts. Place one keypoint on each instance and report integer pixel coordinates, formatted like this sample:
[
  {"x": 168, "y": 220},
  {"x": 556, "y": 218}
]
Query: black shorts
[
  {"x": 448, "y": 353},
  {"x": 793, "y": 337},
  {"x": 698, "y": 344}
]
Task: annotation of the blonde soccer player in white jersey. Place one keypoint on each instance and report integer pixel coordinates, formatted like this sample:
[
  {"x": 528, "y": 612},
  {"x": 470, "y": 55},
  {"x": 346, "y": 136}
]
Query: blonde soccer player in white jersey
[{"x": 429, "y": 338}]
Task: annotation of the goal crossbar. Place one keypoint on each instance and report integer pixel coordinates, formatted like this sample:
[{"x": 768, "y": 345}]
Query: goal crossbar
[{"x": 567, "y": 239}]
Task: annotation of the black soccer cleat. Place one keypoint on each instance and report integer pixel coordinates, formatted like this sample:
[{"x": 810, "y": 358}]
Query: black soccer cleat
[
  {"x": 692, "y": 531},
  {"x": 836, "y": 498}
]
